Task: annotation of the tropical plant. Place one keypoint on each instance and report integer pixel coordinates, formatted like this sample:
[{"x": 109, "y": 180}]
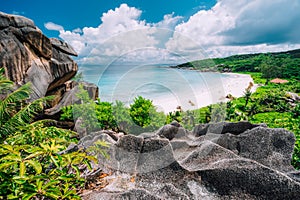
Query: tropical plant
[
  {"x": 32, "y": 165},
  {"x": 140, "y": 111},
  {"x": 15, "y": 112},
  {"x": 35, "y": 172},
  {"x": 143, "y": 113},
  {"x": 104, "y": 113},
  {"x": 67, "y": 113},
  {"x": 247, "y": 96},
  {"x": 86, "y": 110}
]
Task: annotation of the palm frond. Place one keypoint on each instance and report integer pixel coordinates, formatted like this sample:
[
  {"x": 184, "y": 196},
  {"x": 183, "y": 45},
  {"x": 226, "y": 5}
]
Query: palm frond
[
  {"x": 20, "y": 94},
  {"x": 24, "y": 116}
]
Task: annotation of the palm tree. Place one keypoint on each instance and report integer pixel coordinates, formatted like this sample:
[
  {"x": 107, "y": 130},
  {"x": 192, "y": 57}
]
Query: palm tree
[{"x": 15, "y": 112}]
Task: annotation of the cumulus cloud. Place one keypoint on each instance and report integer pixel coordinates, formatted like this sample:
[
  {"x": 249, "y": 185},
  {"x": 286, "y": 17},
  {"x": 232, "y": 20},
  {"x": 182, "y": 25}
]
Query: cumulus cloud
[
  {"x": 229, "y": 27},
  {"x": 268, "y": 21},
  {"x": 120, "y": 32},
  {"x": 234, "y": 27},
  {"x": 168, "y": 22},
  {"x": 54, "y": 27}
]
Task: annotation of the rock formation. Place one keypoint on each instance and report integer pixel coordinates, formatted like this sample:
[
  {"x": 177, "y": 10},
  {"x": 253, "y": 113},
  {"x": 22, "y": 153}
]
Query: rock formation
[
  {"x": 250, "y": 163},
  {"x": 29, "y": 56}
]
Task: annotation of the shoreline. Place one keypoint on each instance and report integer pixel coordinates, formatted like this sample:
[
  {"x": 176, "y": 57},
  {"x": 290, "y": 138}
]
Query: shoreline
[{"x": 235, "y": 84}]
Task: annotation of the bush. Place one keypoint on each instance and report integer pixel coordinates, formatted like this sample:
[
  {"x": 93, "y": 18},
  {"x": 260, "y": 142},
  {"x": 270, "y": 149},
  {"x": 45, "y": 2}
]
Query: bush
[
  {"x": 31, "y": 166},
  {"x": 104, "y": 113},
  {"x": 140, "y": 111},
  {"x": 144, "y": 115}
]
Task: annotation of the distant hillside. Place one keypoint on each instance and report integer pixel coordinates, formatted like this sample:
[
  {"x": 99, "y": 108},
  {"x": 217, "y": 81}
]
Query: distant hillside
[{"x": 277, "y": 64}]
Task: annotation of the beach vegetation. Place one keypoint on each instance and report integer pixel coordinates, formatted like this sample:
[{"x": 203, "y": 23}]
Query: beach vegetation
[{"x": 31, "y": 165}]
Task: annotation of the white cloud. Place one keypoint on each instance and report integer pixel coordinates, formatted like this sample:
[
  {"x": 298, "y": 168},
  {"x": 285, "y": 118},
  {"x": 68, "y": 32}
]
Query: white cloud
[
  {"x": 77, "y": 30},
  {"x": 168, "y": 22},
  {"x": 120, "y": 32},
  {"x": 54, "y": 27},
  {"x": 230, "y": 27},
  {"x": 235, "y": 27}
]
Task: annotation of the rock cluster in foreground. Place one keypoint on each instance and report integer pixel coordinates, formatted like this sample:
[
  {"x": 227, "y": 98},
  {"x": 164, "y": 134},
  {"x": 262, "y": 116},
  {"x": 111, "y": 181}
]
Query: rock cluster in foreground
[{"x": 249, "y": 162}]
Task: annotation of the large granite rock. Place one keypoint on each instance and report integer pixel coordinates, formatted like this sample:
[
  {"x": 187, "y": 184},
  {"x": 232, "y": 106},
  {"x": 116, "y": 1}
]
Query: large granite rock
[
  {"x": 27, "y": 55},
  {"x": 251, "y": 162}
]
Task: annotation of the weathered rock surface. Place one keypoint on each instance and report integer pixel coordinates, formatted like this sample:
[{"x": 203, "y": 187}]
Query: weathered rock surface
[
  {"x": 29, "y": 56},
  {"x": 69, "y": 97},
  {"x": 252, "y": 162}
]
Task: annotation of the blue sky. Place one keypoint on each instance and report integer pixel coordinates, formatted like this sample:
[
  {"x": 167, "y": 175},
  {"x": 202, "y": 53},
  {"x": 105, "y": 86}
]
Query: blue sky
[
  {"x": 78, "y": 14},
  {"x": 165, "y": 31}
]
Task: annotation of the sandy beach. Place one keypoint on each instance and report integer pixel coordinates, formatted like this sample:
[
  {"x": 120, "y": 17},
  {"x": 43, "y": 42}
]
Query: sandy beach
[{"x": 234, "y": 84}]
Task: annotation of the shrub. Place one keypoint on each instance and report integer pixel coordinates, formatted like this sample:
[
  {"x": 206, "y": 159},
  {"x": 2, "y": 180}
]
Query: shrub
[
  {"x": 31, "y": 166},
  {"x": 144, "y": 115},
  {"x": 104, "y": 113}
]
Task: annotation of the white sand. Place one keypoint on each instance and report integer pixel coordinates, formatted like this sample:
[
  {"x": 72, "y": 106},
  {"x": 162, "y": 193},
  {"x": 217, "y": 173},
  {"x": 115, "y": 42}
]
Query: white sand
[{"x": 234, "y": 84}]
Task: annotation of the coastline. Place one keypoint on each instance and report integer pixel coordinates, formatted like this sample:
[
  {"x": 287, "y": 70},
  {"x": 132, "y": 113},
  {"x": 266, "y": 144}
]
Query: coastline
[{"x": 234, "y": 84}]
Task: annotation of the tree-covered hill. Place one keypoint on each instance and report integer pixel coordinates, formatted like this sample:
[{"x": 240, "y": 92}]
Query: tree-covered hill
[{"x": 271, "y": 65}]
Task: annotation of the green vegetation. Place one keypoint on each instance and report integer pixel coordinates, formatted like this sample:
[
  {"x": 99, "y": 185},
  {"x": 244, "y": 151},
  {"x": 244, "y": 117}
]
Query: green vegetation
[
  {"x": 270, "y": 104},
  {"x": 31, "y": 166},
  {"x": 14, "y": 112},
  {"x": 140, "y": 117},
  {"x": 280, "y": 65}
]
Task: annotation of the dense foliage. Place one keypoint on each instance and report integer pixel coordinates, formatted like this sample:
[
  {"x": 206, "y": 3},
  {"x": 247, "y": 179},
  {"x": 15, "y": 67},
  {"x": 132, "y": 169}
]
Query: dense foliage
[
  {"x": 279, "y": 65},
  {"x": 31, "y": 165},
  {"x": 140, "y": 116}
]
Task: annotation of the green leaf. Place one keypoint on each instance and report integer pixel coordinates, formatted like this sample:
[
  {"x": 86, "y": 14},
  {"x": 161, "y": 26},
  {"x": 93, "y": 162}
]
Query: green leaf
[
  {"x": 55, "y": 161},
  {"x": 7, "y": 148},
  {"x": 35, "y": 154},
  {"x": 11, "y": 196},
  {"x": 77, "y": 170},
  {"x": 51, "y": 183},
  {"x": 36, "y": 165},
  {"x": 28, "y": 196},
  {"x": 20, "y": 180},
  {"x": 22, "y": 168},
  {"x": 69, "y": 193},
  {"x": 6, "y": 165},
  {"x": 39, "y": 184},
  {"x": 55, "y": 194},
  {"x": 13, "y": 157}
]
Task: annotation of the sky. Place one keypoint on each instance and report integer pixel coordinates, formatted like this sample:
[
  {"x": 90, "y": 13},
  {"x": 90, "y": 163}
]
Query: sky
[{"x": 166, "y": 31}]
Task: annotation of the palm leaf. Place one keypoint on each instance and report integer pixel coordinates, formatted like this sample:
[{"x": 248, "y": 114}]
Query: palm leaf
[
  {"x": 18, "y": 95},
  {"x": 23, "y": 116}
]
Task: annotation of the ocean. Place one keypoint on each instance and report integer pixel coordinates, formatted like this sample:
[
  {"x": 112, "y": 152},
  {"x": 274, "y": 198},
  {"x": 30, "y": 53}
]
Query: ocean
[{"x": 167, "y": 87}]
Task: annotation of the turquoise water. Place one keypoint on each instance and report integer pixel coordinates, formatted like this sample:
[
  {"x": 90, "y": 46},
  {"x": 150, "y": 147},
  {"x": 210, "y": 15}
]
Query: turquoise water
[{"x": 167, "y": 87}]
